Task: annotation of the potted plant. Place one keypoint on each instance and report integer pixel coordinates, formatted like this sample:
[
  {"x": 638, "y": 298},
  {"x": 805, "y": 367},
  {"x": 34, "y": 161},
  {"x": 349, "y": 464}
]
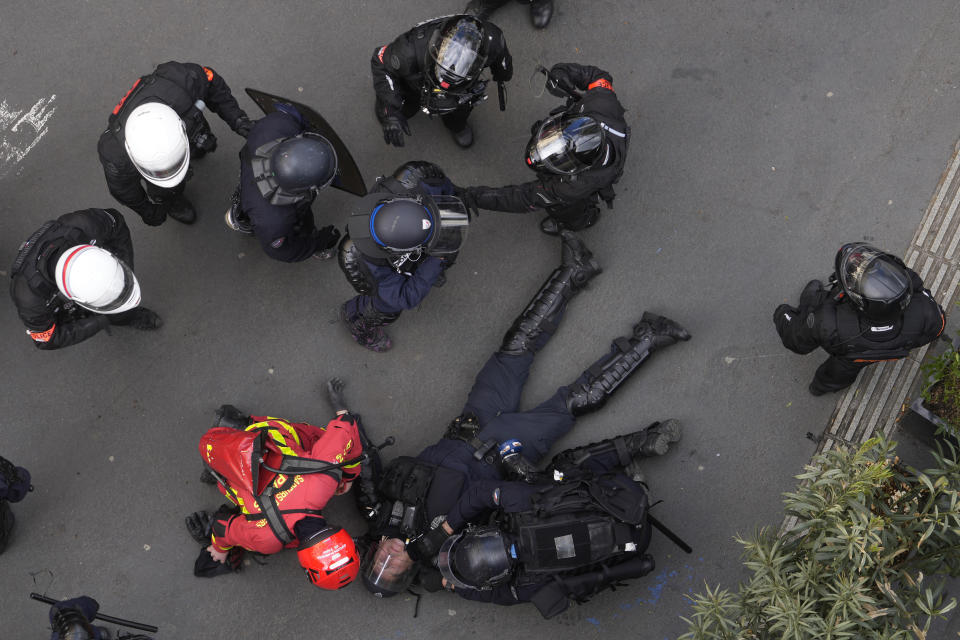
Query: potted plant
[{"x": 939, "y": 402}]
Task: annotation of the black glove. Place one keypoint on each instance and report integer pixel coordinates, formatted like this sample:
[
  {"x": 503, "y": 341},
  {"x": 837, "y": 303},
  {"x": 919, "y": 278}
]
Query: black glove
[
  {"x": 428, "y": 546},
  {"x": 469, "y": 197},
  {"x": 559, "y": 83},
  {"x": 335, "y": 395},
  {"x": 327, "y": 239},
  {"x": 199, "y": 525},
  {"x": 393, "y": 129},
  {"x": 243, "y": 125},
  {"x": 207, "y": 567}
]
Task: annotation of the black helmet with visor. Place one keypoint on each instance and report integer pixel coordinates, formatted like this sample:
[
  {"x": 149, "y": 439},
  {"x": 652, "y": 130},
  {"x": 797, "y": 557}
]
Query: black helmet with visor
[
  {"x": 876, "y": 282},
  {"x": 566, "y": 144}
]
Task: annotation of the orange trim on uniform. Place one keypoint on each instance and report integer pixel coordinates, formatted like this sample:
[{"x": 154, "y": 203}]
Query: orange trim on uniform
[
  {"x": 119, "y": 106},
  {"x": 42, "y": 336},
  {"x": 380, "y": 55},
  {"x": 602, "y": 83},
  {"x": 880, "y": 360},
  {"x": 943, "y": 323},
  {"x": 209, "y": 73}
]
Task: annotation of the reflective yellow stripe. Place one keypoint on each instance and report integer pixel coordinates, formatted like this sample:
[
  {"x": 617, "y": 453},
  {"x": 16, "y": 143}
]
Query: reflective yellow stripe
[{"x": 273, "y": 427}]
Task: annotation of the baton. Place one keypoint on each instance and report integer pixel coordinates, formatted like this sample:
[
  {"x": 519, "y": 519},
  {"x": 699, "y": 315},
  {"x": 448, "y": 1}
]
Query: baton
[
  {"x": 502, "y": 94},
  {"x": 670, "y": 534},
  {"x": 102, "y": 616}
]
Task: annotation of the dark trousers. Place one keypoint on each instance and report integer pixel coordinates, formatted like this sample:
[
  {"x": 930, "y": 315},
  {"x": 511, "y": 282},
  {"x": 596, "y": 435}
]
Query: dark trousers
[
  {"x": 375, "y": 310},
  {"x": 455, "y": 121},
  {"x": 836, "y": 374},
  {"x": 495, "y": 400},
  {"x": 576, "y": 215}
]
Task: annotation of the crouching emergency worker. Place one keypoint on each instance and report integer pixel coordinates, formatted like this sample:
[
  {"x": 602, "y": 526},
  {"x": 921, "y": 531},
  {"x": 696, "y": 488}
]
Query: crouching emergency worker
[
  {"x": 283, "y": 166},
  {"x": 577, "y": 152},
  {"x": 435, "y": 68},
  {"x": 876, "y": 309},
  {"x": 428, "y": 498},
  {"x": 14, "y": 486},
  {"x": 156, "y": 129},
  {"x": 278, "y": 477},
  {"x": 74, "y": 277},
  {"x": 400, "y": 240}
]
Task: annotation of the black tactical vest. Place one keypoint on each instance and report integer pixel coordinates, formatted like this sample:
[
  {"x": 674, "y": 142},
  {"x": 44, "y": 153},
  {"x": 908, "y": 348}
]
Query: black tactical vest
[
  {"x": 846, "y": 334},
  {"x": 420, "y": 492}
]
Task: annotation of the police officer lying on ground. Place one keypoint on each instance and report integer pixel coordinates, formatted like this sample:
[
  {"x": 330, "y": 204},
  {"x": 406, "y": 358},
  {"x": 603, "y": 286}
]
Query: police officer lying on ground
[
  {"x": 14, "y": 485},
  {"x": 435, "y": 67},
  {"x": 577, "y": 152},
  {"x": 279, "y": 506},
  {"x": 74, "y": 277},
  {"x": 540, "y": 10},
  {"x": 401, "y": 238},
  {"x": 876, "y": 309},
  {"x": 282, "y": 168},
  {"x": 428, "y": 498},
  {"x": 154, "y": 132}
]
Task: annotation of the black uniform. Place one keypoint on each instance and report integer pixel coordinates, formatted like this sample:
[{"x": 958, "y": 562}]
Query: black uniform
[
  {"x": 52, "y": 321},
  {"x": 286, "y": 232},
  {"x": 572, "y": 199},
  {"x": 14, "y": 486},
  {"x": 828, "y": 319},
  {"x": 180, "y": 86},
  {"x": 398, "y": 70}
]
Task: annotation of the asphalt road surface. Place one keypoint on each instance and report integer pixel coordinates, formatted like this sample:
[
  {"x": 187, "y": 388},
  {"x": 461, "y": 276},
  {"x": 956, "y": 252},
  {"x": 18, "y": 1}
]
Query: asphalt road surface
[{"x": 765, "y": 134}]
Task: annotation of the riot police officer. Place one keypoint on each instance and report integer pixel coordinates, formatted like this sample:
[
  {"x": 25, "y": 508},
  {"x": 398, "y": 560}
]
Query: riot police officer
[
  {"x": 156, "y": 129},
  {"x": 401, "y": 239},
  {"x": 74, "y": 277},
  {"x": 435, "y": 67},
  {"x": 876, "y": 309},
  {"x": 492, "y": 440},
  {"x": 282, "y": 168},
  {"x": 578, "y": 153},
  {"x": 14, "y": 485},
  {"x": 540, "y": 10}
]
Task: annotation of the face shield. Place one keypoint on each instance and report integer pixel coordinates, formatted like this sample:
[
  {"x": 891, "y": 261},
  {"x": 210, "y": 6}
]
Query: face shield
[
  {"x": 457, "y": 52},
  {"x": 454, "y": 223},
  {"x": 96, "y": 280},
  {"x": 872, "y": 279},
  {"x": 387, "y": 569},
  {"x": 475, "y": 559},
  {"x": 566, "y": 145}
]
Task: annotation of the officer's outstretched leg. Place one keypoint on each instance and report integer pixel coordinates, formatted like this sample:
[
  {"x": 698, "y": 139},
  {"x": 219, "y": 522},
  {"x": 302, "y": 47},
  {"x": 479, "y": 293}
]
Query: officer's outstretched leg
[
  {"x": 595, "y": 385},
  {"x": 534, "y": 326},
  {"x": 835, "y": 374},
  {"x": 622, "y": 451},
  {"x": 366, "y": 323}
]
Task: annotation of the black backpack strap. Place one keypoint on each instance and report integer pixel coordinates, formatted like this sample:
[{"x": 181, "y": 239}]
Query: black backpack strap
[{"x": 269, "y": 511}]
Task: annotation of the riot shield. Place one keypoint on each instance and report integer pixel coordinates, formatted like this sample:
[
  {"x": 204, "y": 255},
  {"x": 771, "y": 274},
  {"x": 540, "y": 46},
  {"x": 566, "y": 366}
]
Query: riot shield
[{"x": 348, "y": 176}]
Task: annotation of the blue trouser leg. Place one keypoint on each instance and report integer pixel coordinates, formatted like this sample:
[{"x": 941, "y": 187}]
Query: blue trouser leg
[
  {"x": 538, "y": 429},
  {"x": 498, "y": 386}
]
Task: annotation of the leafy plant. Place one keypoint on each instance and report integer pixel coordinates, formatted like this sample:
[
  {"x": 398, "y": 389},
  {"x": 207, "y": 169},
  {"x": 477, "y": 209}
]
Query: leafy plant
[
  {"x": 943, "y": 397},
  {"x": 865, "y": 559}
]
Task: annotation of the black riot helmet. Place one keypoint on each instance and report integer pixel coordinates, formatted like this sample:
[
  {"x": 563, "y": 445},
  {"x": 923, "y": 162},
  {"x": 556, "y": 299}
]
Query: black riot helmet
[
  {"x": 289, "y": 170},
  {"x": 876, "y": 282},
  {"x": 71, "y": 624},
  {"x": 406, "y": 228},
  {"x": 567, "y": 143},
  {"x": 457, "y": 53},
  {"x": 477, "y": 558}
]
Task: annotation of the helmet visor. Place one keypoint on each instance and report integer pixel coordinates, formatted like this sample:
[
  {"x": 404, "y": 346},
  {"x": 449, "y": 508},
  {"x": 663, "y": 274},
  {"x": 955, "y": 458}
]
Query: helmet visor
[
  {"x": 387, "y": 567},
  {"x": 123, "y": 295},
  {"x": 566, "y": 145},
  {"x": 871, "y": 279},
  {"x": 164, "y": 174},
  {"x": 454, "y": 223},
  {"x": 457, "y": 54}
]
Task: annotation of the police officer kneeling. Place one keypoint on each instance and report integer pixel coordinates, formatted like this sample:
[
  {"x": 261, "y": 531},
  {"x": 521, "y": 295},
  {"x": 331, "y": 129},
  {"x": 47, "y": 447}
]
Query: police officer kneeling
[
  {"x": 74, "y": 277},
  {"x": 876, "y": 309}
]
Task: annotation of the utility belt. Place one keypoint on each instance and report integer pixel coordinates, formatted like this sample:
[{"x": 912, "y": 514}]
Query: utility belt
[
  {"x": 465, "y": 428},
  {"x": 420, "y": 492}
]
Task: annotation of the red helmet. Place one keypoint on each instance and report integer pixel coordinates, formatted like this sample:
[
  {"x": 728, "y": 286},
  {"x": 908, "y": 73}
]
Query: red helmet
[{"x": 329, "y": 558}]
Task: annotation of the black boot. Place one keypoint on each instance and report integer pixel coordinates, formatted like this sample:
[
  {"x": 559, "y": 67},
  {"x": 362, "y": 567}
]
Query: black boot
[
  {"x": 531, "y": 329},
  {"x": 478, "y": 8},
  {"x": 367, "y": 328},
  {"x": 540, "y": 13},
  {"x": 595, "y": 385},
  {"x": 229, "y": 416},
  {"x": 653, "y": 440},
  {"x": 464, "y": 137},
  {"x": 181, "y": 210},
  {"x": 141, "y": 318}
]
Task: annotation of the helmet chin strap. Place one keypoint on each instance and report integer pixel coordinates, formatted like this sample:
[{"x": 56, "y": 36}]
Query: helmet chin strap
[{"x": 398, "y": 261}]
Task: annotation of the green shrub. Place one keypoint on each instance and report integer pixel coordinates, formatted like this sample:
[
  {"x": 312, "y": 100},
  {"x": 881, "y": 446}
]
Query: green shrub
[
  {"x": 943, "y": 397},
  {"x": 865, "y": 559}
]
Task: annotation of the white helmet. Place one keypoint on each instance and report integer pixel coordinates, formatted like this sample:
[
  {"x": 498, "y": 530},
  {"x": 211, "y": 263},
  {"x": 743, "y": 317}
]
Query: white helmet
[
  {"x": 156, "y": 141},
  {"x": 97, "y": 280}
]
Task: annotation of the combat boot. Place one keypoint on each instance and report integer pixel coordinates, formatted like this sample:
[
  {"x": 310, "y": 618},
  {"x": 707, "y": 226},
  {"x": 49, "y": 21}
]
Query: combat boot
[
  {"x": 141, "y": 318},
  {"x": 532, "y": 329},
  {"x": 228, "y": 415},
  {"x": 653, "y": 440},
  {"x": 595, "y": 385},
  {"x": 181, "y": 209}
]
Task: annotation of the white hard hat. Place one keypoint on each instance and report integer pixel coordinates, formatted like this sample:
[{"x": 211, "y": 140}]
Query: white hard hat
[
  {"x": 156, "y": 141},
  {"x": 97, "y": 280}
]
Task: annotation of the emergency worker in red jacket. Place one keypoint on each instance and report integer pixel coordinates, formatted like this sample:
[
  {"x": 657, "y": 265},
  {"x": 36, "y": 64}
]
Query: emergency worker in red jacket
[{"x": 273, "y": 511}]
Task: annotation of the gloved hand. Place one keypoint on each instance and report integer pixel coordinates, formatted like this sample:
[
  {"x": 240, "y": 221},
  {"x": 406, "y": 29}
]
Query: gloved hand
[
  {"x": 559, "y": 83},
  {"x": 335, "y": 395},
  {"x": 243, "y": 126},
  {"x": 393, "y": 129},
  {"x": 428, "y": 546},
  {"x": 199, "y": 525},
  {"x": 206, "y": 567},
  {"x": 469, "y": 197}
]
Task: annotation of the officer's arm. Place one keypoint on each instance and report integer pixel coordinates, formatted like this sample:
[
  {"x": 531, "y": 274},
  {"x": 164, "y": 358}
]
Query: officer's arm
[
  {"x": 481, "y": 498},
  {"x": 796, "y": 329},
  {"x": 216, "y": 94},
  {"x": 389, "y": 64},
  {"x": 501, "y": 62},
  {"x": 583, "y": 77},
  {"x": 237, "y": 531},
  {"x": 531, "y": 196},
  {"x": 406, "y": 292},
  {"x": 51, "y": 335},
  {"x": 107, "y": 227}
]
